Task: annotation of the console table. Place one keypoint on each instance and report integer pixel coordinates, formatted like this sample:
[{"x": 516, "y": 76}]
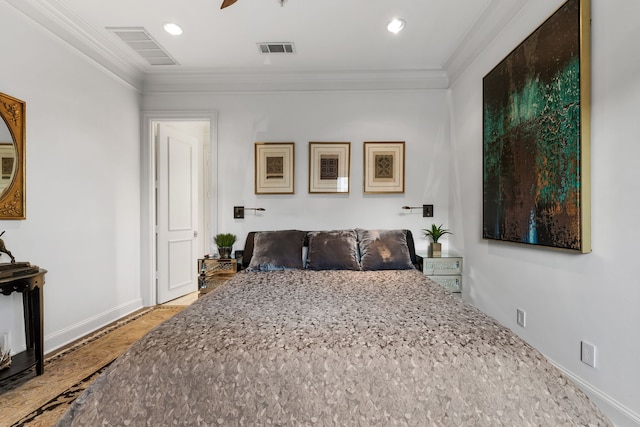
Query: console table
[{"x": 30, "y": 285}]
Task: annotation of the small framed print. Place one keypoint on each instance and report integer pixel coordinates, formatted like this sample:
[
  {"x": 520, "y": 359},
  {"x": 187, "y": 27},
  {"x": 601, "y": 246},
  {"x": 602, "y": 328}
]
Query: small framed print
[
  {"x": 383, "y": 167},
  {"x": 274, "y": 167},
  {"x": 7, "y": 166},
  {"x": 329, "y": 167}
]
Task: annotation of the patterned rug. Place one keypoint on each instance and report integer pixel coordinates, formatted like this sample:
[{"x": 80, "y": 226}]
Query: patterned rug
[{"x": 30, "y": 400}]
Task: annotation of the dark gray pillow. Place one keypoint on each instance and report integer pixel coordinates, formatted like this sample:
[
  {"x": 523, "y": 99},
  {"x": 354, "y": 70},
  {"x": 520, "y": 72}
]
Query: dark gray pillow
[
  {"x": 277, "y": 250},
  {"x": 384, "y": 250},
  {"x": 333, "y": 250}
]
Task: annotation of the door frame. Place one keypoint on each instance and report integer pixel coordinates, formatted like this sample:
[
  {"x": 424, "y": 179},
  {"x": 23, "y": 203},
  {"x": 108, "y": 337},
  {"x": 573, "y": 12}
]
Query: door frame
[{"x": 148, "y": 195}]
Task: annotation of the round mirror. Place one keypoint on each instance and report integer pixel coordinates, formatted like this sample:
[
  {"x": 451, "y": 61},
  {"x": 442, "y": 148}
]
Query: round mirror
[
  {"x": 12, "y": 161},
  {"x": 7, "y": 157}
]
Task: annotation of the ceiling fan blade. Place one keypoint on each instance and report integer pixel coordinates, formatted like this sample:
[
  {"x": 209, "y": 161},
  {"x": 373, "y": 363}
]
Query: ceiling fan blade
[{"x": 226, "y": 3}]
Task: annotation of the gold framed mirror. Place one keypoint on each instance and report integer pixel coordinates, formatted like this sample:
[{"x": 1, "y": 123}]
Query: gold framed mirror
[{"x": 12, "y": 158}]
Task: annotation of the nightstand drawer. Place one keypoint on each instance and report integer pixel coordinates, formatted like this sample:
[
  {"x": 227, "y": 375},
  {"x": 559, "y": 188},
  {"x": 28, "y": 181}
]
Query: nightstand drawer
[
  {"x": 442, "y": 266},
  {"x": 217, "y": 266},
  {"x": 213, "y": 282},
  {"x": 452, "y": 283}
]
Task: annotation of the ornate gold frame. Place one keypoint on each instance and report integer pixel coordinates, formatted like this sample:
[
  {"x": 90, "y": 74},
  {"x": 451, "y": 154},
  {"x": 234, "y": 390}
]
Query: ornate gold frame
[{"x": 13, "y": 198}]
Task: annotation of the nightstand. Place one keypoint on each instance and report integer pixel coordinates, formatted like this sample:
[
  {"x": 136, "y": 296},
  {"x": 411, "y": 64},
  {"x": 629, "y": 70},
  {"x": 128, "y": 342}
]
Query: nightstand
[
  {"x": 445, "y": 270},
  {"x": 213, "y": 272}
]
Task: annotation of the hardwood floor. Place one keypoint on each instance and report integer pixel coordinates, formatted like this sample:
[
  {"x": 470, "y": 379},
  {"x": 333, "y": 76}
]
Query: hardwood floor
[{"x": 184, "y": 300}]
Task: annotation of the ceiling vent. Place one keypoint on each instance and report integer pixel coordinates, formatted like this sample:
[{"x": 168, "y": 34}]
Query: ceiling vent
[
  {"x": 285, "y": 47},
  {"x": 139, "y": 40}
]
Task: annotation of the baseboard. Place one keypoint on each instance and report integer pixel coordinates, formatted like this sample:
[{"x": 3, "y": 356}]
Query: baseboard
[
  {"x": 618, "y": 414},
  {"x": 65, "y": 336}
]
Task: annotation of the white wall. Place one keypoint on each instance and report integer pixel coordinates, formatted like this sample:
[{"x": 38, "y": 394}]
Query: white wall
[
  {"x": 568, "y": 298},
  {"x": 83, "y": 174},
  {"x": 420, "y": 118}
]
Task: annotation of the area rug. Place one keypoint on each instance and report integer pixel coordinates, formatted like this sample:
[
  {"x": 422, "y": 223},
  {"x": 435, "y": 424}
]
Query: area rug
[{"x": 31, "y": 400}]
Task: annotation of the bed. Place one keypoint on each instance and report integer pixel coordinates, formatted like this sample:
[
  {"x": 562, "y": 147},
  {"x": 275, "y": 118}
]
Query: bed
[{"x": 349, "y": 333}]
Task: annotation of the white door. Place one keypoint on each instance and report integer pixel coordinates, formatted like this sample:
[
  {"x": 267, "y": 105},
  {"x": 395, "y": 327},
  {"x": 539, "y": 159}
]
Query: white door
[{"x": 177, "y": 212}]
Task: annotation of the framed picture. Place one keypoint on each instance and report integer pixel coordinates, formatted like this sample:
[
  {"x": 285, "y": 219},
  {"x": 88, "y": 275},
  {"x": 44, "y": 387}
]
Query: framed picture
[
  {"x": 536, "y": 131},
  {"x": 274, "y": 167},
  {"x": 383, "y": 167},
  {"x": 7, "y": 167},
  {"x": 7, "y": 157},
  {"x": 329, "y": 164}
]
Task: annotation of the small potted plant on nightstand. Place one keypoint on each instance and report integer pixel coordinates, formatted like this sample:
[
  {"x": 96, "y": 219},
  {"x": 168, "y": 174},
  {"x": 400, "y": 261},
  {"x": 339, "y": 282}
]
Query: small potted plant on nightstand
[
  {"x": 225, "y": 242},
  {"x": 435, "y": 232}
]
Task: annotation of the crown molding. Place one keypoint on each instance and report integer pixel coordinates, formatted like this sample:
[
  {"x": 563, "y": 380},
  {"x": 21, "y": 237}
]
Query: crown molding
[
  {"x": 247, "y": 81},
  {"x": 54, "y": 17},
  {"x": 58, "y": 20},
  {"x": 492, "y": 21}
]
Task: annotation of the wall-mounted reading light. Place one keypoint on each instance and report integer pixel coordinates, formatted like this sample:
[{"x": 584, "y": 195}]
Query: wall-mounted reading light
[
  {"x": 427, "y": 210},
  {"x": 238, "y": 211}
]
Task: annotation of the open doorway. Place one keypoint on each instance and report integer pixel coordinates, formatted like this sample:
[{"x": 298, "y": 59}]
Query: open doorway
[{"x": 177, "y": 201}]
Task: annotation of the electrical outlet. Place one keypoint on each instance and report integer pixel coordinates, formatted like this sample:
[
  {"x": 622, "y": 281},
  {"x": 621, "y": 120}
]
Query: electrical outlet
[
  {"x": 588, "y": 354},
  {"x": 521, "y": 317}
]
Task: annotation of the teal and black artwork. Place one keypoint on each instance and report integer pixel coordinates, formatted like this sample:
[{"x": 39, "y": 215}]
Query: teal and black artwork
[{"x": 532, "y": 138}]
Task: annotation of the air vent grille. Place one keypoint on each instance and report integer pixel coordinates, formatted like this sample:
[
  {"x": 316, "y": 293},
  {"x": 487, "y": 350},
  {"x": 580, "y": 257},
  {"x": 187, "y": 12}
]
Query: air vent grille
[
  {"x": 277, "y": 47},
  {"x": 140, "y": 41}
]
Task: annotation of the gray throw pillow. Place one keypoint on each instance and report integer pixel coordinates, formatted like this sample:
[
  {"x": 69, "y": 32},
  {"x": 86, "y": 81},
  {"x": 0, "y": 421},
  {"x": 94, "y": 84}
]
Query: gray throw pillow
[
  {"x": 384, "y": 250},
  {"x": 333, "y": 250},
  {"x": 277, "y": 250}
]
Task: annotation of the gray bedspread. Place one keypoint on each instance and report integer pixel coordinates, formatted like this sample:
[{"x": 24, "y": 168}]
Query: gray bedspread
[{"x": 331, "y": 348}]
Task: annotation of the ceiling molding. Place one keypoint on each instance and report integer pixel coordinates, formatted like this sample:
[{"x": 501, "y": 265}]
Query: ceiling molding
[
  {"x": 54, "y": 17},
  {"x": 492, "y": 21},
  {"x": 109, "y": 55},
  {"x": 243, "y": 81}
]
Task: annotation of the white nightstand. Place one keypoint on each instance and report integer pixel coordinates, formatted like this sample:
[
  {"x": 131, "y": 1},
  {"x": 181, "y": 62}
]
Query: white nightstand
[{"x": 445, "y": 270}]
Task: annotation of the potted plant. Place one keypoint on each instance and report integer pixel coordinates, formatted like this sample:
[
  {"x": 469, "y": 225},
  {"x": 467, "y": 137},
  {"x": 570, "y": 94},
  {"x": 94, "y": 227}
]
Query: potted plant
[
  {"x": 225, "y": 242},
  {"x": 435, "y": 232}
]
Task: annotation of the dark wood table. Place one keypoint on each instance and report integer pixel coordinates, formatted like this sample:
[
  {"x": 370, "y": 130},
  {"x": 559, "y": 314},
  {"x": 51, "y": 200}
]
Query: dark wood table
[{"x": 30, "y": 285}]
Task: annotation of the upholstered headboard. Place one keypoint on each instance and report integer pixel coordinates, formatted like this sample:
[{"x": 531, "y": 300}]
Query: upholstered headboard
[{"x": 247, "y": 254}]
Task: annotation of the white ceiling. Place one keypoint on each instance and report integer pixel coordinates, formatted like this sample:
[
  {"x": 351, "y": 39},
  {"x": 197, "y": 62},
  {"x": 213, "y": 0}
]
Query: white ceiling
[{"x": 331, "y": 36}]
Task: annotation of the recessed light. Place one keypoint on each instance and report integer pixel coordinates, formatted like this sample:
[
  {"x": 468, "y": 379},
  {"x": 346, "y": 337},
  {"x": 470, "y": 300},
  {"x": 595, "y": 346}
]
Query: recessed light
[
  {"x": 173, "y": 29},
  {"x": 396, "y": 25}
]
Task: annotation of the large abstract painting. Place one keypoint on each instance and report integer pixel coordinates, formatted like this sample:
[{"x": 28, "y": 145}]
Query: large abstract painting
[{"x": 536, "y": 137}]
